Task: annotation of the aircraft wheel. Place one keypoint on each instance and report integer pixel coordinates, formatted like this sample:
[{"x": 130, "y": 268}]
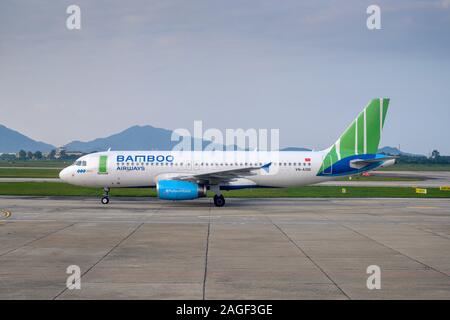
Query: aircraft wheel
[
  {"x": 105, "y": 200},
  {"x": 219, "y": 201}
]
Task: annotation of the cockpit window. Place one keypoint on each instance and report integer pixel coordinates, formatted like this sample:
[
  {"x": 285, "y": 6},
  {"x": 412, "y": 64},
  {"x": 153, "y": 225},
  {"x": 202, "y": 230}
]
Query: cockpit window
[{"x": 80, "y": 163}]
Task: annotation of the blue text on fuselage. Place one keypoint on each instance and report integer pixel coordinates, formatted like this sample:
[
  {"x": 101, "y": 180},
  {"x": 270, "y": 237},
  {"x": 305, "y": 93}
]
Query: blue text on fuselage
[{"x": 145, "y": 158}]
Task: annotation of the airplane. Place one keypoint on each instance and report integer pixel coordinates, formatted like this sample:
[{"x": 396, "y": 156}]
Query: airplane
[{"x": 187, "y": 175}]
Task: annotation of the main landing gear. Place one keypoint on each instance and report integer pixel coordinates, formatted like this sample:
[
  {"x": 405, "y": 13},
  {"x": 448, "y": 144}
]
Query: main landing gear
[
  {"x": 219, "y": 200},
  {"x": 105, "y": 199}
]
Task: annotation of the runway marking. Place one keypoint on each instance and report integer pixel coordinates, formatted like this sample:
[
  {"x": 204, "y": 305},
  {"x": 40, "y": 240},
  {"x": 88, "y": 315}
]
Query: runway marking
[
  {"x": 422, "y": 207},
  {"x": 5, "y": 214}
]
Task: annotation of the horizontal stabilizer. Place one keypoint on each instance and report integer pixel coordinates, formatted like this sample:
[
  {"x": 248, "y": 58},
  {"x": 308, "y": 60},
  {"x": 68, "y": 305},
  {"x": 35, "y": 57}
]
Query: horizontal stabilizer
[{"x": 360, "y": 163}]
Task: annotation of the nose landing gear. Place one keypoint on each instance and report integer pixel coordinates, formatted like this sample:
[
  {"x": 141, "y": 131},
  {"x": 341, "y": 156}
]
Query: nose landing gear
[{"x": 105, "y": 199}]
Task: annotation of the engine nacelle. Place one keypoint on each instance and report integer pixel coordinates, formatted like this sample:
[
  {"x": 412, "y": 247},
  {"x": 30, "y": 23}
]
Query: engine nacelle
[{"x": 179, "y": 190}]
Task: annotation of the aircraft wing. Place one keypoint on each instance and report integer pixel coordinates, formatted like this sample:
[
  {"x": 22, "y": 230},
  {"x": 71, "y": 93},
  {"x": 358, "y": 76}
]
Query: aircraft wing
[{"x": 216, "y": 177}]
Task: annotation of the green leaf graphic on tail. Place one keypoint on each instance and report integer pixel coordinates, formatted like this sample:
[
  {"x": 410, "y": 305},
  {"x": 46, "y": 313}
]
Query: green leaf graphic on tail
[{"x": 362, "y": 136}]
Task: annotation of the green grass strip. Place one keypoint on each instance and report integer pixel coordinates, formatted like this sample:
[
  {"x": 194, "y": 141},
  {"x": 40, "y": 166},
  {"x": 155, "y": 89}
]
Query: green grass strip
[{"x": 63, "y": 189}]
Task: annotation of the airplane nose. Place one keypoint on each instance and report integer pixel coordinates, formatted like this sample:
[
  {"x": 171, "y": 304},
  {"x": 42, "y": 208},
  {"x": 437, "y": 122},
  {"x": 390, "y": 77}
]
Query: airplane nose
[{"x": 63, "y": 174}]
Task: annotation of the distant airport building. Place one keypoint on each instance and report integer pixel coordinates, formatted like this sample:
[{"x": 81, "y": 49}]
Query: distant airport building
[{"x": 61, "y": 152}]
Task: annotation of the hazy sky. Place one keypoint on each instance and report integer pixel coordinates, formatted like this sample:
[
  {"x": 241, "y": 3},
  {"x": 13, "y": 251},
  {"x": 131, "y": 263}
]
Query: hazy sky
[{"x": 305, "y": 67}]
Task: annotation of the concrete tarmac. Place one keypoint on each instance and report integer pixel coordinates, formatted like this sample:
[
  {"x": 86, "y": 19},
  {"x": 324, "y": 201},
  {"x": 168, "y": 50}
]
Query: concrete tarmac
[{"x": 249, "y": 249}]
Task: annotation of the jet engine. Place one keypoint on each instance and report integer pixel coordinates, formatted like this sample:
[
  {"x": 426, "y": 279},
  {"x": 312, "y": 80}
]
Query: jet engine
[{"x": 179, "y": 190}]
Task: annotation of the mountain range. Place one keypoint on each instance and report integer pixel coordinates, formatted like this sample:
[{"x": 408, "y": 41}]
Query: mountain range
[
  {"x": 13, "y": 141},
  {"x": 396, "y": 152},
  {"x": 134, "y": 138}
]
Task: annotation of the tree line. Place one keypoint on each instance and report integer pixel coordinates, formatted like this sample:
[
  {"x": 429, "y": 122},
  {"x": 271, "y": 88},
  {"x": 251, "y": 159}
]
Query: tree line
[
  {"x": 434, "y": 158},
  {"x": 38, "y": 155}
]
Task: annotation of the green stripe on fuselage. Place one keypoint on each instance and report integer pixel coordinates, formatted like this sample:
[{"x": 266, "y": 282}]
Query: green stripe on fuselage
[
  {"x": 102, "y": 165},
  {"x": 329, "y": 159}
]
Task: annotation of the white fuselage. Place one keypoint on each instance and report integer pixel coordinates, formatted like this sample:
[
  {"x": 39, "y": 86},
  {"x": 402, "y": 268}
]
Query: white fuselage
[{"x": 145, "y": 168}]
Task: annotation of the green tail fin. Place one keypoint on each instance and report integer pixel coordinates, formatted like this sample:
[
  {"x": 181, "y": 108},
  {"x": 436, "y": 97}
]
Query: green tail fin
[{"x": 363, "y": 135}]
